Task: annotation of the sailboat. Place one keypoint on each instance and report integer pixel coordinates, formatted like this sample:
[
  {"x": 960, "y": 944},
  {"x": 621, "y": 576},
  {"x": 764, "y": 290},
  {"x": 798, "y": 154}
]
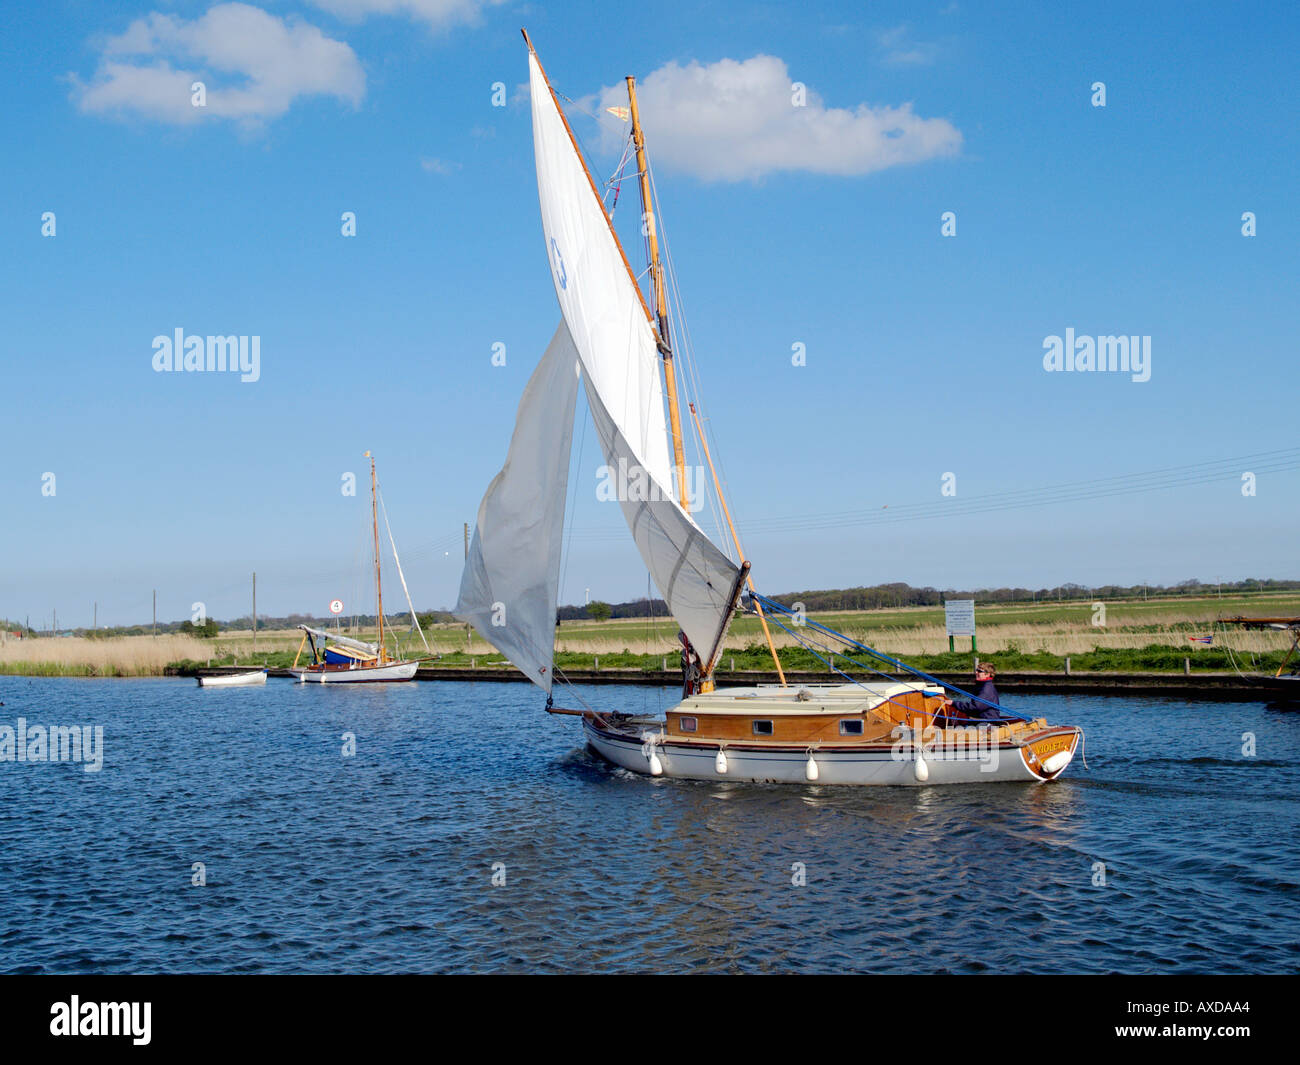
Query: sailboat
[
  {"x": 1281, "y": 683},
  {"x": 337, "y": 659},
  {"x": 619, "y": 349}
]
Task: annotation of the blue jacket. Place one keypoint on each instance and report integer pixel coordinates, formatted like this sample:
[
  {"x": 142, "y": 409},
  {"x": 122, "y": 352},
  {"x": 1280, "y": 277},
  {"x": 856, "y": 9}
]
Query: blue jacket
[{"x": 986, "y": 691}]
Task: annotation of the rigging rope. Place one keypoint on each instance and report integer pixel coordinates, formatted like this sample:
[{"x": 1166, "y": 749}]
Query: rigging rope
[
  {"x": 690, "y": 381},
  {"x": 400, "y": 574}
]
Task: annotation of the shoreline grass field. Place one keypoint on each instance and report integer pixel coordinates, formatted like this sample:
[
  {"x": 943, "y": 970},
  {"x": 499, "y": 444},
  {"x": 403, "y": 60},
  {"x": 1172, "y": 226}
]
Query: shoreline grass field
[{"x": 1137, "y": 636}]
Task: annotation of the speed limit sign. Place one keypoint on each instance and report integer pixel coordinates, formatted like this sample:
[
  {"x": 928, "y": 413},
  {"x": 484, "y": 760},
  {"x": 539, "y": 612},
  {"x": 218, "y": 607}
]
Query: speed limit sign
[{"x": 336, "y": 607}]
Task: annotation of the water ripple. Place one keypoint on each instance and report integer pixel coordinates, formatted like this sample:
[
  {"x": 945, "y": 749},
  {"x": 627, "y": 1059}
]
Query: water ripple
[{"x": 1172, "y": 853}]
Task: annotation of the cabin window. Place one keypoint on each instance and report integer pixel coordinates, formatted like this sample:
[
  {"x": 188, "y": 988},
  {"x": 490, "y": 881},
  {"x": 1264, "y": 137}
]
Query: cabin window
[
  {"x": 762, "y": 728},
  {"x": 851, "y": 726},
  {"x": 688, "y": 724}
]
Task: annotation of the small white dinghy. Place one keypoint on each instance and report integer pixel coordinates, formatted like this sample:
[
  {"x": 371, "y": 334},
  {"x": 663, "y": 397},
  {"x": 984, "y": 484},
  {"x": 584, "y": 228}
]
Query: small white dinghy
[{"x": 233, "y": 680}]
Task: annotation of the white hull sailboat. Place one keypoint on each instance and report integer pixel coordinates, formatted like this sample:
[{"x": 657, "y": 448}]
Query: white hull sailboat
[
  {"x": 892, "y": 746},
  {"x": 1282, "y": 684},
  {"x": 359, "y": 674},
  {"x": 619, "y": 348},
  {"x": 337, "y": 659}
]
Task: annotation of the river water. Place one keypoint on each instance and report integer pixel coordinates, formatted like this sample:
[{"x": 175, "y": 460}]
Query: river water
[{"x": 1173, "y": 851}]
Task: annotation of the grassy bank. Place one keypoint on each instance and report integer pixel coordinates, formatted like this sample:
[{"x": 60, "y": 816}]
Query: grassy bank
[{"x": 1137, "y": 636}]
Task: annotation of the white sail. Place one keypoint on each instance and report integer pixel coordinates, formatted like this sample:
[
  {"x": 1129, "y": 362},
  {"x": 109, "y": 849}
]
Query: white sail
[
  {"x": 698, "y": 582},
  {"x": 620, "y": 362},
  {"x": 600, "y": 303},
  {"x": 510, "y": 586}
]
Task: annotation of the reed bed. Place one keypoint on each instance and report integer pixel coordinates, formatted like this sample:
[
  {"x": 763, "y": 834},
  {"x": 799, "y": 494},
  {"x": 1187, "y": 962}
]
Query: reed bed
[{"x": 123, "y": 656}]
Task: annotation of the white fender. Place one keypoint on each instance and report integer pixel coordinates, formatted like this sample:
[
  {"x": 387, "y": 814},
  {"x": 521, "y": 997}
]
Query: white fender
[
  {"x": 656, "y": 766},
  {"x": 1055, "y": 762},
  {"x": 921, "y": 769},
  {"x": 810, "y": 770},
  {"x": 720, "y": 763}
]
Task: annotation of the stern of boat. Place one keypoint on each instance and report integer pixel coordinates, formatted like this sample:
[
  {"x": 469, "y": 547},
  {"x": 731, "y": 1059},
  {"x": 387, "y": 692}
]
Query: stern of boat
[{"x": 1048, "y": 752}]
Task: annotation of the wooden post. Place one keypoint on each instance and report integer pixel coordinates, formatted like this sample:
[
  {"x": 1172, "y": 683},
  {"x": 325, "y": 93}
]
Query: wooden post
[
  {"x": 595, "y": 659},
  {"x": 1187, "y": 667},
  {"x": 254, "y": 613},
  {"x": 1067, "y": 665}
]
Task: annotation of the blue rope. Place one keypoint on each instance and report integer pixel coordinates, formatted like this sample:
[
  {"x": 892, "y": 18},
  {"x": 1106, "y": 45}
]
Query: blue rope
[{"x": 783, "y": 609}]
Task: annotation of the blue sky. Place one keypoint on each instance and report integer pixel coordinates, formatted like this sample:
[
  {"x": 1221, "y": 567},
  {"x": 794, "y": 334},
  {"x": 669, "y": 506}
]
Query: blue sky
[{"x": 924, "y": 352}]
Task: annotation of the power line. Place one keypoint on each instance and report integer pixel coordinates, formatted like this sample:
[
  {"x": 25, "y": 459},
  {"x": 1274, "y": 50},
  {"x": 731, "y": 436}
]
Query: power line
[{"x": 1279, "y": 461}]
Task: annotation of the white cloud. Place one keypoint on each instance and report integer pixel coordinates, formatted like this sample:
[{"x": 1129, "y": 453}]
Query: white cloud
[
  {"x": 732, "y": 121},
  {"x": 431, "y": 165},
  {"x": 253, "y": 65},
  {"x": 438, "y": 14},
  {"x": 900, "y": 50}
]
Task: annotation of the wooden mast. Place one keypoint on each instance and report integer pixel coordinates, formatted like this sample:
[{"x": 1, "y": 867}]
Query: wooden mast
[
  {"x": 379, "y": 587},
  {"x": 657, "y": 291}
]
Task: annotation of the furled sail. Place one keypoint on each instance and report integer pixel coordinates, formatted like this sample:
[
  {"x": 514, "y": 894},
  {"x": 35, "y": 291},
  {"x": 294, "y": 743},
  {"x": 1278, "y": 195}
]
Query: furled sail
[
  {"x": 620, "y": 361},
  {"x": 510, "y": 586}
]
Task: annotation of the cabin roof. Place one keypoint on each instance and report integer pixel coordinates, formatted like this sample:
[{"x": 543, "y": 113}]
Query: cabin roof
[{"x": 796, "y": 700}]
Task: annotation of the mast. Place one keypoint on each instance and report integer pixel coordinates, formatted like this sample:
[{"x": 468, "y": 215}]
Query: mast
[
  {"x": 658, "y": 293},
  {"x": 379, "y": 587}
]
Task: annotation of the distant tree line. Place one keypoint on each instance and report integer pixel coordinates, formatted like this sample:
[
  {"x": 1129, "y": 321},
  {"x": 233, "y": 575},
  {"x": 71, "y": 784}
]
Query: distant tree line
[
  {"x": 898, "y": 594},
  {"x": 601, "y": 611},
  {"x": 883, "y": 596}
]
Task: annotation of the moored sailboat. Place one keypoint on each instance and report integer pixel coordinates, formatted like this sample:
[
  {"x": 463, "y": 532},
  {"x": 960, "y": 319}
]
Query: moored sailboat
[
  {"x": 1282, "y": 683},
  {"x": 352, "y": 661},
  {"x": 611, "y": 340}
]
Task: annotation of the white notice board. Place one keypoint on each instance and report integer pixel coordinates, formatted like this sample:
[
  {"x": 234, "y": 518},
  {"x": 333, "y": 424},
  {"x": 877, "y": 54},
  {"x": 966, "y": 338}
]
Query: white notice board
[{"x": 959, "y": 614}]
